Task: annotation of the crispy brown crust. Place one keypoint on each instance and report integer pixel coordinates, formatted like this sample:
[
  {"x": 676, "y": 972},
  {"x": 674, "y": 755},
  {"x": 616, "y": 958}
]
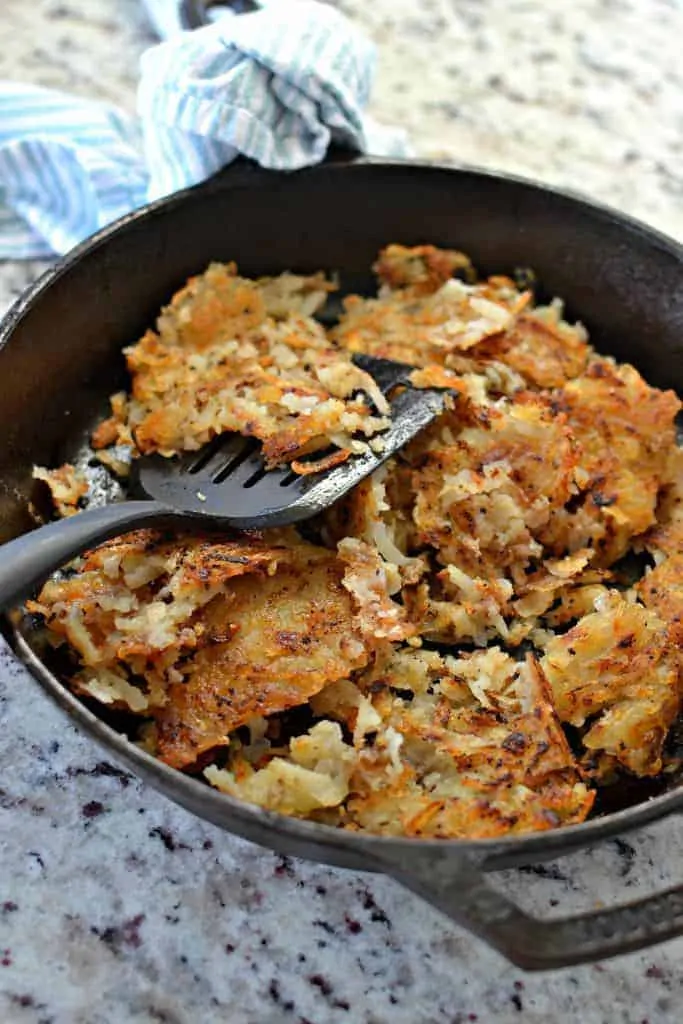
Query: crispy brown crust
[
  {"x": 464, "y": 768},
  {"x": 267, "y": 648},
  {"x": 541, "y": 352},
  {"x": 422, "y": 268},
  {"x": 625, "y": 433},
  {"x": 615, "y": 676},
  {"x": 231, "y": 354}
]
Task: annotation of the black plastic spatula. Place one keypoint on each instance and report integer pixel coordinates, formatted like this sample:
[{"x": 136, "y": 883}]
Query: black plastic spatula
[{"x": 225, "y": 484}]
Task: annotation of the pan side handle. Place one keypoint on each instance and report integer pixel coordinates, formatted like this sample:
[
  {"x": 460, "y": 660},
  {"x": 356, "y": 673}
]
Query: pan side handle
[{"x": 464, "y": 894}]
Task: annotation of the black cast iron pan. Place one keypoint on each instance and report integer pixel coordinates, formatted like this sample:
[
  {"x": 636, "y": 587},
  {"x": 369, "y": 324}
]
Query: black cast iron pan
[{"x": 60, "y": 359}]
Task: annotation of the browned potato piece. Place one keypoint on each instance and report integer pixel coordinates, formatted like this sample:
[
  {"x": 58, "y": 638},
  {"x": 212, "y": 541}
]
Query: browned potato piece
[
  {"x": 615, "y": 675},
  {"x": 445, "y": 748},
  {"x": 133, "y": 609},
  {"x": 421, "y": 268},
  {"x": 271, "y": 645},
  {"x": 231, "y": 354},
  {"x": 545, "y": 354},
  {"x": 625, "y": 433},
  {"x": 483, "y": 498},
  {"x": 477, "y": 751}
]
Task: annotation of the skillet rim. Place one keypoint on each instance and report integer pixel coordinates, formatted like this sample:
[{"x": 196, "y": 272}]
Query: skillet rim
[{"x": 553, "y": 842}]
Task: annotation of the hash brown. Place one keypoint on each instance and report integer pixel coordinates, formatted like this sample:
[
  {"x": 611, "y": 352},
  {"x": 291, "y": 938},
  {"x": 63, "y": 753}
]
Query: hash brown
[{"x": 300, "y": 674}]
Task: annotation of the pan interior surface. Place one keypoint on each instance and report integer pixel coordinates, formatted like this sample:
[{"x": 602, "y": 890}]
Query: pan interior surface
[{"x": 60, "y": 353}]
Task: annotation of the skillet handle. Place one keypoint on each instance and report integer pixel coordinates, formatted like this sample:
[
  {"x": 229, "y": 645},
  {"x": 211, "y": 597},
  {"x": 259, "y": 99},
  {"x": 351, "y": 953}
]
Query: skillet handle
[
  {"x": 28, "y": 560},
  {"x": 534, "y": 944}
]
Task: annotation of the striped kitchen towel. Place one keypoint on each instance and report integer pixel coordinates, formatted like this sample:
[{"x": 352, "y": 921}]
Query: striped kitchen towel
[{"x": 278, "y": 85}]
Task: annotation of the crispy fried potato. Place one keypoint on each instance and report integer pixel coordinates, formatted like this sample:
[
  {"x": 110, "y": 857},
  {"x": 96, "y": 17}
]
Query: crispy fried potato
[
  {"x": 230, "y": 354},
  {"x": 371, "y": 581},
  {"x": 424, "y": 314},
  {"x": 615, "y": 676},
  {"x": 316, "y": 775},
  {"x": 544, "y": 353},
  {"x": 269, "y": 645},
  {"x": 477, "y": 751},
  {"x": 440, "y": 748},
  {"x": 661, "y": 588},
  {"x": 483, "y": 498},
  {"x": 427, "y": 329},
  {"x": 132, "y": 611},
  {"x": 293, "y": 673},
  {"x": 421, "y": 268},
  {"x": 625, "y": 431},
  {"x": 378, "y": 511},
  {"x": 425, "y": 317}
]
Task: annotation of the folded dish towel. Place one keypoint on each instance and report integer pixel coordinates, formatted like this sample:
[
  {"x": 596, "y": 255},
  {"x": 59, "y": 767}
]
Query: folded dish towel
[{"x": 277, "y": 85}]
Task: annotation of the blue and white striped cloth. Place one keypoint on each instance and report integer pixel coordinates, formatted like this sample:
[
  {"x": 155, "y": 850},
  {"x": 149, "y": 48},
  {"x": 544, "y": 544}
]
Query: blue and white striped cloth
[{"x": 277, "y": 85}]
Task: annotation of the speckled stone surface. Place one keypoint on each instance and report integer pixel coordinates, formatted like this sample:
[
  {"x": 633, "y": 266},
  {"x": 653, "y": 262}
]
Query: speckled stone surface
[{"x": 117, "y": 907}]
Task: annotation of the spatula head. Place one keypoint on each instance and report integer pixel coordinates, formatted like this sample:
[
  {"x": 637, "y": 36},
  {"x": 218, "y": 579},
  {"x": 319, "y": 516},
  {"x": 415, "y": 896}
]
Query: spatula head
[{"x": 227, "y": 479}]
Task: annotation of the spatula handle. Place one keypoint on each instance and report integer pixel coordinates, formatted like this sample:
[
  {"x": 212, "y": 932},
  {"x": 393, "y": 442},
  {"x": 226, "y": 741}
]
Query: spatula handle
[{"x": 28, "y": 560}]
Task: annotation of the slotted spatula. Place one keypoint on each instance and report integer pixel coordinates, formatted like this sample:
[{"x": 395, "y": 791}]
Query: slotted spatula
[{"x": 225, "y": 484}]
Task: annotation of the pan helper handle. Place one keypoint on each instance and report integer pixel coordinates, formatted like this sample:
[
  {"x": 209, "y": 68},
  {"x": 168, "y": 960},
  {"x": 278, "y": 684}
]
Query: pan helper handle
[{"x": 462, "y": 892}]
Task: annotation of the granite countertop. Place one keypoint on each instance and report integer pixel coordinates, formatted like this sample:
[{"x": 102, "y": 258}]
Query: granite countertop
[{"x": 116, "y": 907}]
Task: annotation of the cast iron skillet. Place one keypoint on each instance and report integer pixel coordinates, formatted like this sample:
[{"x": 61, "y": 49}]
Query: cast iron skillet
[{"x": 60, "y": 357}]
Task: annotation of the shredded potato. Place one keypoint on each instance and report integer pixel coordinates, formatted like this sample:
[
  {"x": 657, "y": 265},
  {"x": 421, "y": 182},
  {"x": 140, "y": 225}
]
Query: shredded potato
[
  {"x": 230, "y": 354},
  {"x": 299, "y": 674},
  {"x": 467, "y": 746},
  {"x": 615, "y": 676}
]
